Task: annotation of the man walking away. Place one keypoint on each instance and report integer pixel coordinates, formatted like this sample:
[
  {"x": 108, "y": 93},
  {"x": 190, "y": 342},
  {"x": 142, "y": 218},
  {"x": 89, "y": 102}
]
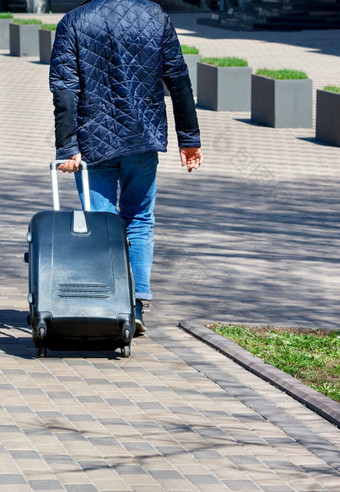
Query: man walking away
[{"x": 108, "y": 64}]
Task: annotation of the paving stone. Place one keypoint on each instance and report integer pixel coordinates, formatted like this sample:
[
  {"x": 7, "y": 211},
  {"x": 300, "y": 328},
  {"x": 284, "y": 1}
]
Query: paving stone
[
  {"x": 8, "y": 429},
  {"x": 138, "y": 446},
  {"x": 243, "y": 459},
  {"x": 80, "y": 418},
  {"x": 59, "y": 394},
  {"x": 149, "y": 405},
  {"x": 243, "y": 485},
  {"x": 89, "y": 399},
  {"x": 103, "y": 441},
  {"x": 11, "y": 478},
  {"x": 71, "y": 436},
  {"x": 25, "y": 455},
  {"x": 130, "y": 469},
  {"x": 97, "y": 381},
  {"x": 58, "y": 458},
  {"x": 277, "y": 488},
  {"x": 80, "y": 488},
  {"x": 202, "y": 479},
  {"x": 166, "y": 474},
  {"x": 45, "y": 485},
  {"x": 207, "y": 454},
  {"x": 18, "y": 409},
  {"x": 119, "y": 402},
  {"x": 31, "y": 391},
  {"x": 37, "y": 432}
]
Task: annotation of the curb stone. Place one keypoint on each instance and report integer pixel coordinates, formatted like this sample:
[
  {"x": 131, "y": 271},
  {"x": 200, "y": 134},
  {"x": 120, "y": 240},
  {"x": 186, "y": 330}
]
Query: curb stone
[{"x": 320, "y": 404}]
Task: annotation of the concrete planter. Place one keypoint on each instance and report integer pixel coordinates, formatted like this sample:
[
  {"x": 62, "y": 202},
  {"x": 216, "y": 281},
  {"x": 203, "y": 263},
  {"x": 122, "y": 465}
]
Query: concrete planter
[
  {"x": 46, "y": 40},
  {"x": 282, "y": 103},
  {"x": 24, "y": 39},
  {"x": 4, "y": 33},
  {"x": 223, "y": 88},
  {"x": 328, "y": 117},
  {"x": 191, "y": 61}
]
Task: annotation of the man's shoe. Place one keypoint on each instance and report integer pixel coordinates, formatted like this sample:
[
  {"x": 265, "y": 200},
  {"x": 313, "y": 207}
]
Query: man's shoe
[{"x": 139, "y": 310}]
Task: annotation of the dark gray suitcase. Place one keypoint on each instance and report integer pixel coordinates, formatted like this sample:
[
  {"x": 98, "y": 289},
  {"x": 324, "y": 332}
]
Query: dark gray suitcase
[{"x": 81, "y": 291}]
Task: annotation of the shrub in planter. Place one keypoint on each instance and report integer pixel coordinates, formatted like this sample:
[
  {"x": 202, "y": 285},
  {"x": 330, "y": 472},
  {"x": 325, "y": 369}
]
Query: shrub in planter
[
  {"x": 46, "y": 40},
  {"x": 224, "y": 84},
  {"x": 5, "y": 20},
  {"x": 282, "y": 98},
  {"x": 191, "y": 57},
  {"x": 328, "y": 115},
  {"x": 23, "y": 37}
]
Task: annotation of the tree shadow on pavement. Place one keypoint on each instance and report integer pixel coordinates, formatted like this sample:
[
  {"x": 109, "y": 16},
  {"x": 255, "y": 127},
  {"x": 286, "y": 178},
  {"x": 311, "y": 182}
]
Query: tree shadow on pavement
[
  {"x": 238, "y": 245},
  {"x": 249, "y": 250}
]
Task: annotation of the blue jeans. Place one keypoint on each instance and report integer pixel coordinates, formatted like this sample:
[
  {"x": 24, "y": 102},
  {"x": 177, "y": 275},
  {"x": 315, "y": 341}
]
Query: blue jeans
[{"x": 136, "y": 175}]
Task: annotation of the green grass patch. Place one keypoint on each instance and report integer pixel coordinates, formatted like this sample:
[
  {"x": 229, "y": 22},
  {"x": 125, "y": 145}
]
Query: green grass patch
[
  {"x": 189, "y": 50},
  {"x": 225, "y": 62},
  {"x": 312, "y": 356},
  {"x": 48, "y": 27},
  {"x": 24, "y": 22},
  {"x": 6, "y": 15},
  {"x": 283, "y": 74},
  {"x": 332, "y": 88}
]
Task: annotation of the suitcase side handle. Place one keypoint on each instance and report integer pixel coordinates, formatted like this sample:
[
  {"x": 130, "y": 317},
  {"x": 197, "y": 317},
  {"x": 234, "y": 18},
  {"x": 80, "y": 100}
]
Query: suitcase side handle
[{"x": 55, "y": 189}]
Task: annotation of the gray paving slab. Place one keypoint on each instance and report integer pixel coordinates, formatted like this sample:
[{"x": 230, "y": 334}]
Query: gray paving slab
[{"x": 252, "y": 236}]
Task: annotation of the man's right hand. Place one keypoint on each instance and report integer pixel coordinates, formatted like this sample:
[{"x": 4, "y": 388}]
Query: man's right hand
[{"x": 71, "y": 165}]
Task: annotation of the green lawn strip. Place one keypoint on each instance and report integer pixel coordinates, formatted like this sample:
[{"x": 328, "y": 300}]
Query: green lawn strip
[
  {"x": 284, "y": 74},
  {"x": 312, "y": 356}
]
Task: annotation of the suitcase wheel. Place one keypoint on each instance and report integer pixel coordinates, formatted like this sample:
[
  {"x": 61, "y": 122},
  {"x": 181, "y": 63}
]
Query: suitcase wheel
[
  {"x": 127, "y": 330},
  {"x": 42, "y": 329},
  {"x": 41, "y": 351},
  {"x": 126, "y": 351},
  {"x": 26, "y": 257},
  {"x": 127, "y": 334}
]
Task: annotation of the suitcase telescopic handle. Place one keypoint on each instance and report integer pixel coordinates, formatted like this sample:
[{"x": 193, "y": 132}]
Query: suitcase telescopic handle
[{"x": 85, "y": 181}]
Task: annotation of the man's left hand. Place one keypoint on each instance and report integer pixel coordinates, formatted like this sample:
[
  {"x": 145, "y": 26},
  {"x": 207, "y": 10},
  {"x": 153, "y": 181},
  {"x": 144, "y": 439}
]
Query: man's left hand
[{"x": 191, "y": 157}]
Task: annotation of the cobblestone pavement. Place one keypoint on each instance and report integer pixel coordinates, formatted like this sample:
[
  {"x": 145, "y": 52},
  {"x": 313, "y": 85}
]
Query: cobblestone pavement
[{"x": 251, "y": 236}]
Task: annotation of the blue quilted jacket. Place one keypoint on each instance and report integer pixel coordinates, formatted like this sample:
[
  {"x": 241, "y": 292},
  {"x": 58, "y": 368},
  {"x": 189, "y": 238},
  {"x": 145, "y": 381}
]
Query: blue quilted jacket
[{"x": 108, "y": 64}]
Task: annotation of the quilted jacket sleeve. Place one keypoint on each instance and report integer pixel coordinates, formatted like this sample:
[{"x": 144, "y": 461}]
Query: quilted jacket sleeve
[
  {"x": 64, "y": 83},
  {"x": 177, "y": 80}
]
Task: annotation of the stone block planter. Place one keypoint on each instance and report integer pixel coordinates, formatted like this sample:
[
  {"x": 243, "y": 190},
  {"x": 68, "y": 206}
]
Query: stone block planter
[
  {"x": 46, "y": 41},
  {"x": 223, "y": 88},
  {"x": 4, "y": 32},
  {"x": 24, "y": 39},
  {"x": 282, "y": 103},
  {"x": 328, "y": 117},
  {"x": 191, "y": 61}
]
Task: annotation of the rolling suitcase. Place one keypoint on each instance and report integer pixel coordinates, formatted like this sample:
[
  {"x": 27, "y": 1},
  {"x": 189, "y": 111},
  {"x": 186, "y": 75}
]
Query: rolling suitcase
[{"x": 81, "y": 290}]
